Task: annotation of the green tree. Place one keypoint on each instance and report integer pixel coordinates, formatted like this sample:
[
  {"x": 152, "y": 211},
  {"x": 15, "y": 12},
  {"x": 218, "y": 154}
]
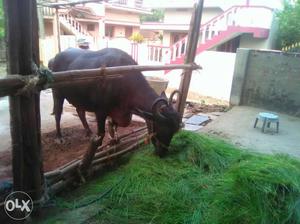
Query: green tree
[
  {"x": 156, "y": 16},
  {"x": 289, "y": 24},
  {"x": 1, "y": 20}
]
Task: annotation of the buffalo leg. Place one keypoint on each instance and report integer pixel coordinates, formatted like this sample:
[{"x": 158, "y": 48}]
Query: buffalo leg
[
  {"x": 81, "y": 114},
  {"x": 58, "y": 107},
  {"x": 112, "y": 130},
  {"x": 101, "y": 123}
]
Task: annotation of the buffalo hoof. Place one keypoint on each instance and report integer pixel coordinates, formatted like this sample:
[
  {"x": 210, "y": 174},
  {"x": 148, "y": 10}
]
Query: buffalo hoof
[
  {"x": 91, "y": 136},
  {"x": 89, "y": 133},
  {"x": 59, "y": 141},
  {"x": 114, "y": 141},
  {"x": 161, "y": 152}
]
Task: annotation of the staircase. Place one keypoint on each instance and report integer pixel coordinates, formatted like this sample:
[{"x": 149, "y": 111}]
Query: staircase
[
  {"x": 230, "y": 24},
  {"x": 70, "y": 23}
]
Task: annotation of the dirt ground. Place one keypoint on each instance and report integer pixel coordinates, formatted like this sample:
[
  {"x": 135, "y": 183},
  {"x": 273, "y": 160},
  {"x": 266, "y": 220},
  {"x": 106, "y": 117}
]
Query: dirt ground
[
  {"x": 55, "y": 155},
  {"x": 76, "y": 143},
  {"x": 236, "y": 126},
  {"x": 205, "y": 108}
]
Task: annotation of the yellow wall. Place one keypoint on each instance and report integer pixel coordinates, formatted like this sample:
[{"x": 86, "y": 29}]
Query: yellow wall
[
  {"x": 122, "y": 16},
  {"x": 48, "y": 26},
  {"x": 135, "y": 29},
  {"x": 210, "y": 13},
  {"x": 183, "y": 16},
  {"x": 119, "y": 31},
  {"x": 167, "y": 38},
  {"x": 173, "y": 16},
  {"x": 96, "y": 28}
]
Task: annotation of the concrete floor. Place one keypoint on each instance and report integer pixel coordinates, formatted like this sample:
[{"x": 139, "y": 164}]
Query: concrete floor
[{"x": 236, "y": 126}]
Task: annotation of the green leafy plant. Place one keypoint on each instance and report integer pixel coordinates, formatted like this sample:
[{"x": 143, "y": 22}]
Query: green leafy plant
[
  {"x": 157, "y": 15},
  {"x": 288, "y": 24},
  {"x": 2, "y": 21},
  {"x": 137, "y": 37}
]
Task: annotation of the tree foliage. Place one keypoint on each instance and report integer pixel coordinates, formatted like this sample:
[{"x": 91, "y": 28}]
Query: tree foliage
[
  {"x": 1, "y": 20},
  {"x": 289, "y": 24},
  {"x": 156, "y": 16}
]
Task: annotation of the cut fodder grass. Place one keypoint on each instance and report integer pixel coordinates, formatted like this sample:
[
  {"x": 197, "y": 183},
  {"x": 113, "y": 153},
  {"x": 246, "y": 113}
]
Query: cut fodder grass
[
  {"x": 204, "y": 180},
  {"x": 260, "y": 189},
  {"x": 210, "y": 154}
]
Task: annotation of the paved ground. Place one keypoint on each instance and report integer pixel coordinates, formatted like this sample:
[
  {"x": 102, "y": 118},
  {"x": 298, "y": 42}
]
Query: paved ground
[{"x": 236, "y": 126}]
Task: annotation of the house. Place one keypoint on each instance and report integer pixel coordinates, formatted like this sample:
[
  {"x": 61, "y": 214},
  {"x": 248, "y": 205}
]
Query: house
[
  {"x": 226, "y": 26},
  {"x": 95, "y": 23}
]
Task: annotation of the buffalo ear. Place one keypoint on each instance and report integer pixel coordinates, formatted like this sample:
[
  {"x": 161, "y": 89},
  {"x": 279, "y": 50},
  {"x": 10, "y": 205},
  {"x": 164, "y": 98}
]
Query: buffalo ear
[{"x": 163, "y": 95}]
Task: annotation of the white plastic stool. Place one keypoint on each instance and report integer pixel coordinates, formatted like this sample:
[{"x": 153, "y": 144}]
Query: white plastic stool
[{"x": 267, "y": 118}]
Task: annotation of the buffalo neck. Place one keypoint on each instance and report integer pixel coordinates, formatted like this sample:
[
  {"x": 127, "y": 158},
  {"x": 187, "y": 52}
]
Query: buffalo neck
[{"x": 145, "y": 99}]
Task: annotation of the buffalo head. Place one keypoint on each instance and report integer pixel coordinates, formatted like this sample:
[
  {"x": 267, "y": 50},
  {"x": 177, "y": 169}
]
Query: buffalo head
[{"x": 163, "y": 122}]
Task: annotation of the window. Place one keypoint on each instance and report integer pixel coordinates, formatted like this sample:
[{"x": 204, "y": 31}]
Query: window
[{"x": 91, "y": 27}]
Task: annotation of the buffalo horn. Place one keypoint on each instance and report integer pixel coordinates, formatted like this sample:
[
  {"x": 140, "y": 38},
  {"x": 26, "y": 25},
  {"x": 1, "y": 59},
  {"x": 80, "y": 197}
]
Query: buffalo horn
[{"x": 172, "y": 96}]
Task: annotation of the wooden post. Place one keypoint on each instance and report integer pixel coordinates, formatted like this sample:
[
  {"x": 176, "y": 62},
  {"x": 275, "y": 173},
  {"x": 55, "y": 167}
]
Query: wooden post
[
  {"x": 41, "y": 22},
  {"x": 90, "y": 153},
  {"x": 56, "y": 30},
  {"x": 22, "y": 39},
  {"x": 192, "y": 44}
]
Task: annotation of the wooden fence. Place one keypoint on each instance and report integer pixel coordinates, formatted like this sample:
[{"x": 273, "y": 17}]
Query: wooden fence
[{"x": 23, "y": 88}]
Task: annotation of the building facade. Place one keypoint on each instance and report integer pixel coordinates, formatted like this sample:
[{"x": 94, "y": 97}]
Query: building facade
[
  {"x": 94, "y": 23},
  {"x": 225, "y": 26}
]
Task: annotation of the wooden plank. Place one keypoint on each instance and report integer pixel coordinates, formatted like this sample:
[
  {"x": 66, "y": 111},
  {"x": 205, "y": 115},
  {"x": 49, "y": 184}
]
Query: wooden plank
[
  {"x": 21, "y": 29},
  {"x": 192, "y": 43}
]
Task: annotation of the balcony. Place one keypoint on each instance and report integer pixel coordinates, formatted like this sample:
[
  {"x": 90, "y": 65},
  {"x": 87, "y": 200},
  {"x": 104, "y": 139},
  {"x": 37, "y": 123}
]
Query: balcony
[{"x": 128, "y": 3}]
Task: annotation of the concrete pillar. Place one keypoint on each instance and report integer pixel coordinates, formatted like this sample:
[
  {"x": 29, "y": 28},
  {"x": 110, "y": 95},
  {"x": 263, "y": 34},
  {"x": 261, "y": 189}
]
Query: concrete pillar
[{"x": 239, "y": 76}]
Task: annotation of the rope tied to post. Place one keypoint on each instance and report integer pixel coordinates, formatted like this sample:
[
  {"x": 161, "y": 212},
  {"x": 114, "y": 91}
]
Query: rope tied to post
[{"x": 40, "y": 80}]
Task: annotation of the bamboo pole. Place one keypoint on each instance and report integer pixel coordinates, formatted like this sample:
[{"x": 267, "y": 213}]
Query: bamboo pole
[
  {"x": 118, "y": 146},
  {"x": 69, "y": 170},
  {"x": 90, "y": 153},
  {"x": 70, "y": 165},
  {"x": 192, "y": 43},
  {"x": 12, "y": 83},
  {"x": 111, "y": 156},
  {"x": 56, "y": 30},
  {"x": 58, "y": 178}
]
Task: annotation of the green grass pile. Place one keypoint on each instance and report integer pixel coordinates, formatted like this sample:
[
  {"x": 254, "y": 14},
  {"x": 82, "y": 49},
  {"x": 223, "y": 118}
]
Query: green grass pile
[
  {"x": 261, "y": 189},
  {"x": 203, "y": 180}
]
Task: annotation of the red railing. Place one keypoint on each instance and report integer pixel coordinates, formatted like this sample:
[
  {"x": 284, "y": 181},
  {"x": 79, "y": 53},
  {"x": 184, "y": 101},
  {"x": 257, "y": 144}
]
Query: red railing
[{"x": 235, "y": 16}]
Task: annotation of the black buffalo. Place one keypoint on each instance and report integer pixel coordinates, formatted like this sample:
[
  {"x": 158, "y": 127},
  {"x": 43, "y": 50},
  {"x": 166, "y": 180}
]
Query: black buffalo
[{"x": 117, "y": 98}]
